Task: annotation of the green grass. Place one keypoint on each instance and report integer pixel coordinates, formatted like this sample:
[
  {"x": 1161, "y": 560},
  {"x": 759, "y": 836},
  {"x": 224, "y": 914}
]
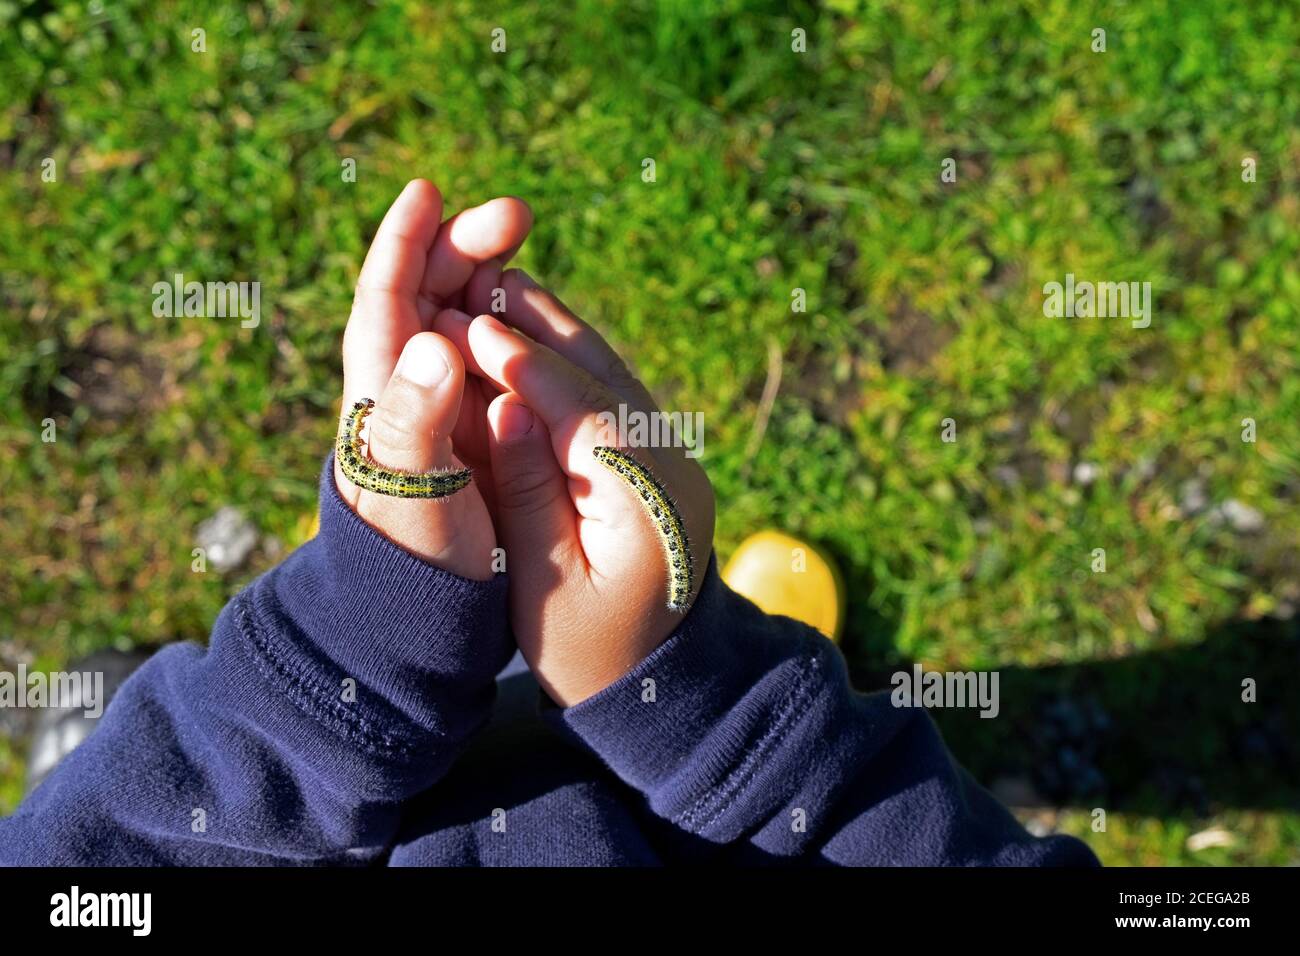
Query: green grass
[{"x": 775, "y": 171}]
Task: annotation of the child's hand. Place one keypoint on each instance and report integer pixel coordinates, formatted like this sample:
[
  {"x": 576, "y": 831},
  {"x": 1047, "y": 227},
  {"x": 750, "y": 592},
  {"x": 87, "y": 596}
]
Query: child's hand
[
  {"x": 415, "y": 267},
  {"x": 588, "y": 577}
]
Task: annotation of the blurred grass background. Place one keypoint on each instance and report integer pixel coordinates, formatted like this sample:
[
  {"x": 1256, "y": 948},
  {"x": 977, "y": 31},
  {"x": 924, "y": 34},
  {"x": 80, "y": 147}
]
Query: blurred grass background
[{"x": 775, "y": 171}]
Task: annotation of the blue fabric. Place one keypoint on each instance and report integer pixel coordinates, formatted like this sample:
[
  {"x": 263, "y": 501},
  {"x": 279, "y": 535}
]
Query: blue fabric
[{"x": 352, "y": 708}]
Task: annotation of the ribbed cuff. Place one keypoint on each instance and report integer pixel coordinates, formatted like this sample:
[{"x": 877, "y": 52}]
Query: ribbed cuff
[
  {"x": 412, "y": 636},
  {"x": 711, "y": 697}
]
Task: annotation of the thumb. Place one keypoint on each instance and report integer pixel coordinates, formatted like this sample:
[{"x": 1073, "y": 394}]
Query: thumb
[
  {"x": 410, "y": 431},
  {"x": 535, "y": 515}
]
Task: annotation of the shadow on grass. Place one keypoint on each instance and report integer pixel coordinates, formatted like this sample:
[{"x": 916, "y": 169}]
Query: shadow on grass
[{"x": 1156, "y": 733}]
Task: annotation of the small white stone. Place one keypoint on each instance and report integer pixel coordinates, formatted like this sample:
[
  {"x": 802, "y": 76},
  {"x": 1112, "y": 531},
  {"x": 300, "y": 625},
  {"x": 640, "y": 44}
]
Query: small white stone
[
  {"x": 1243, "y": 518},
  {"x": 1086, "y": 472},
  {"x": 228, "y": 538}
]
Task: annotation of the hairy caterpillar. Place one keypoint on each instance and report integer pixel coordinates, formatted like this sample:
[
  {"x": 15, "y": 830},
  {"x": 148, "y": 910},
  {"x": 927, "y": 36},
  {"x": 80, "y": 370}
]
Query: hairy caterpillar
[
  {"x": 360, "y": 469},
  {"x": 667, "y": 521}
]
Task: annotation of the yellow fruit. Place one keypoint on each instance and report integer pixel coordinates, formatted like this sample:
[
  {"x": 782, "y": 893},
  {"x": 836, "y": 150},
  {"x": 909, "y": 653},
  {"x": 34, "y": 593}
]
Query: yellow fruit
[{"x": 784, "y": 575}]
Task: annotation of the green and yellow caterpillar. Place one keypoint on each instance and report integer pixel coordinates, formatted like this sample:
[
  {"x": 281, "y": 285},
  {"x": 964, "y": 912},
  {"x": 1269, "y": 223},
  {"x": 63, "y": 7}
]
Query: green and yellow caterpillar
[
  {"x": 360, "y": 469},
  {"x": 667, "y": 522}
]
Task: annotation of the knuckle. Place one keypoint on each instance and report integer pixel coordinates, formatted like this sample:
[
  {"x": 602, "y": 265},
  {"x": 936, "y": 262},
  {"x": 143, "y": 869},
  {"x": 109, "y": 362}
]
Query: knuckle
[
  {"x": 395, "y": 430},
  {"x": 524, "y": 490},
  {"x": 593, "y": 395},
  {"x": 618, "y": 375}
]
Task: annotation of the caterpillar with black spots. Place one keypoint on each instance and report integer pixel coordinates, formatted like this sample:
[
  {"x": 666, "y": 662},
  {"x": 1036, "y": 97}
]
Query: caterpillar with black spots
[
  {"x": 665, "y": 517},
  {"x": 364, "y": 472}
]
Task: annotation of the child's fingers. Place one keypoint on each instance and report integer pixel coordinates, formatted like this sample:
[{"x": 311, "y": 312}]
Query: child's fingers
[
  {"x": 411, "y": 425},
  {"x": 399, "y": 253},
  {"x": 409, "y": 429},
  {"x": 387, "y": 310},
  {"x": 569, "y": 402},
  {"x": 534, "y": 516},
  {"x": 493, "y": 230},
  {"x": 454, "y": 325},
  {"x": 470, "y": 439},
  {"x": 539, "y": 314},
  {"x": 566, "y": 397},
  {"x": 481, "y": 289}
]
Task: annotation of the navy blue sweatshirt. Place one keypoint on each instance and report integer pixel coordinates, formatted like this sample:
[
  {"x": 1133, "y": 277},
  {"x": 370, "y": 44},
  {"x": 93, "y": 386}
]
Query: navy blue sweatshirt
[{"x": 352, "y": 708}]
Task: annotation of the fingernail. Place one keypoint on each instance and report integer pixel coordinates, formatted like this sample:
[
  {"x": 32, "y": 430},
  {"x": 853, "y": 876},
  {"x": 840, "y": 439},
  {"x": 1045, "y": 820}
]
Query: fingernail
[
  {"x": 422, "y": 363},
  {"x": 456, "y": 315},
  {"x": 513, "y": 421}
]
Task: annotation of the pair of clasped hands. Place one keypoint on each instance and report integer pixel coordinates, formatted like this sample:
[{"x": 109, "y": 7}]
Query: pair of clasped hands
[{"x": 514, "y": 396}]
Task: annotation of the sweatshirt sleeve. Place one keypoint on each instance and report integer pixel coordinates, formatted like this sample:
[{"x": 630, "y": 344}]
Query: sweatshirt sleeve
[
  {"x": 742, "y": 729},
  {"x": 338, "y": 684}
]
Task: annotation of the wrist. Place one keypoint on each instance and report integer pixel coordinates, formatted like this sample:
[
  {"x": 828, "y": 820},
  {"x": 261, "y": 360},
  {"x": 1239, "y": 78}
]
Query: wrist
[{"x": 382, "y": 616}]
